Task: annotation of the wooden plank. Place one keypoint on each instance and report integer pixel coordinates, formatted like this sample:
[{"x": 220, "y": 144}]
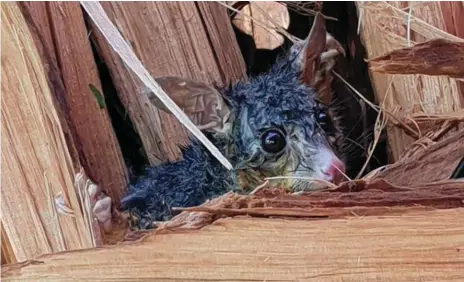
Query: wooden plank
[
  {"x": 62, "y": 29},
  {"x": 169, "y": 39},
  {"x": 100, "y": 154},
  {"x": 36, "y": 161},
  {"x": 36, "y": 16},
  {"x": 453, "y": 16},
  {"x": 219, "y": 30},
  {"x": 418, "y": 246},
  {"x": 384, "y": 28},
  {"x": 453, "y": 13}
]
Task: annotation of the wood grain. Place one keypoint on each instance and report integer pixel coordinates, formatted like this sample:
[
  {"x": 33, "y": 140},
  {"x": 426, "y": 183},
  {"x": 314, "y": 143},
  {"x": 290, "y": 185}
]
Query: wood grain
[
  {"x": 420, "y": 246},
  {"x": 267, "y": 16},
  {"x": 219, "y": 30},
  {"x": 454, "y": 24},
  {"x": 384, "y": 29},
  {"x": 36, "y": 163},
  {"x": 169, "y": 39},
  {"x": 59, "y": 32},
  {"x": 100, "y": 154},
  {"x": 8, "y": 255},
  {"x": 36, "y": 16},
  {"x": 434, "y": 57},
  {"x": 435, "y": 163}
]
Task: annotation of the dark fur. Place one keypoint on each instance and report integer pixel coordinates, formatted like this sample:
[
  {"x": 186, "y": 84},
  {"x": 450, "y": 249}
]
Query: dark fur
[{"x": 275, "y": 98}]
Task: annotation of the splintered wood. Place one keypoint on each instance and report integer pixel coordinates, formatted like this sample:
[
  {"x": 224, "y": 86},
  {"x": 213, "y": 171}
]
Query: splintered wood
[
  {"x": 375, "y": 197},
  {"x": 415, "y": 247},
  {"x": 435, "y": 57},
  {"x": 62, "y": 26},
  {"x": 425, "y": 162},
  {"x": 179, "y": 39},
  {"x": 422, "y": 77},
  {"x": 401, "y": 222},
  {"x": 36, "y": 165}
]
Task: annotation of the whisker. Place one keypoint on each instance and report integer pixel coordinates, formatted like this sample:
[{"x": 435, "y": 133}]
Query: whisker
[
  {"x": 343, "y": 173},
  {"x": 310, "y": 179},
  {"x": 354, "y": 126},
  {"x": 364, "y": 136},
  {"x": 361, "y": 147}
]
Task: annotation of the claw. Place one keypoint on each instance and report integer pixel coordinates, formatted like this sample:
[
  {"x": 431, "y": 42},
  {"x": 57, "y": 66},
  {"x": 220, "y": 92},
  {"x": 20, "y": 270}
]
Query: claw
[
  {"x": 94, "y": 191},
  {"x": 332, "y": 49},
  {"x": 102, "y": 211},
  {"x": 332, "y": 44},
  {"x": 101, "y": 206},
  {"x": 327, "y": 62}
]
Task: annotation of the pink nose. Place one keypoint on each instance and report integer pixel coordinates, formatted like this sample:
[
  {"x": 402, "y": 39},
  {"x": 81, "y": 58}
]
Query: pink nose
[{"x": 336, "y": 171}]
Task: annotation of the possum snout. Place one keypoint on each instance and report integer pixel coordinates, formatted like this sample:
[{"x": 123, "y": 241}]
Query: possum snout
[
  {"x": 313, "y": 159},
  {"x": 333, "y": 169}
]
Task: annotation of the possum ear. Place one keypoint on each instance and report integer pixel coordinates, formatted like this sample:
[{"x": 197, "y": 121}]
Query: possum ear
[
  {"x": 202, "y": 103},
  {"x": 316, "y": 58}
]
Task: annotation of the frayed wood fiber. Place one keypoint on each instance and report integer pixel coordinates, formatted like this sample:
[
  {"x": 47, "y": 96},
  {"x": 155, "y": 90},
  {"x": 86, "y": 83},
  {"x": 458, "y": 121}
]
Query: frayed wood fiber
[
  {"x": 36, "y": 164},
  {"x": 389, "y": 26}
]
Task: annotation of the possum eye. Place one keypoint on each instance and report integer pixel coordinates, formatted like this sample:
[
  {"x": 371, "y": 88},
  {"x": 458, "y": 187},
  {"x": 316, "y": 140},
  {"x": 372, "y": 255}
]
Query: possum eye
[
  {"x": 273, "y": 141},
  {"x": 324, "y": 120}
]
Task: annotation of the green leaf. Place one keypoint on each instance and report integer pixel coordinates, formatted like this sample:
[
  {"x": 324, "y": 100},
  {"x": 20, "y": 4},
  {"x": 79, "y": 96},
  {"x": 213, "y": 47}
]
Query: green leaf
[{"x": 98, "y": 96}]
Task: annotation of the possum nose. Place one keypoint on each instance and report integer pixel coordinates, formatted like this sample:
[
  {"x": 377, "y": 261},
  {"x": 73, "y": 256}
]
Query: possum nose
[{"x": 336, "y": 171}]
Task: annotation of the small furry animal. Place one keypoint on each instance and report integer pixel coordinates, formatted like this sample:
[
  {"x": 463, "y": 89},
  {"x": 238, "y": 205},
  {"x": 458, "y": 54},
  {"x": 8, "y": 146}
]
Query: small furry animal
[{"x": 270, "y": 125}]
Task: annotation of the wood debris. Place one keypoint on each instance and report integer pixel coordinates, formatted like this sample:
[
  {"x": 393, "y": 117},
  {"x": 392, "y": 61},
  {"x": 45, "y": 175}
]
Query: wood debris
[
  {"x": 401, "y": 209},
  {"x": 418, "y": 124},
  {"x": 360, "y": 197},
  {"x": 424, "y": 163},
  {"x": 434, "y": 57},
  {"x": 189, "y": 38},
  {"x": 411, "y": 50}
]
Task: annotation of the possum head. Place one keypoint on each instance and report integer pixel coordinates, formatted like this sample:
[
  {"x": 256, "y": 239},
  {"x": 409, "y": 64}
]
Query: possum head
[{"x": 277, "y": 123}]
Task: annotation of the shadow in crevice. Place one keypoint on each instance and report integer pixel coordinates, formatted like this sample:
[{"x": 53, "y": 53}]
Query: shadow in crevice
[{"x": 128, "y": 138}]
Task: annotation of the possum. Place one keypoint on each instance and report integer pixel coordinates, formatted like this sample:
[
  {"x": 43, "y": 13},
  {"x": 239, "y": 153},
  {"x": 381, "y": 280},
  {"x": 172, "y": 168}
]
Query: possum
[{"x": 274, "y": 124}]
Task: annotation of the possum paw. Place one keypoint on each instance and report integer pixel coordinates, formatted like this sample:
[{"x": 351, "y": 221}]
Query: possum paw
[
  {"x": 101, "y": 206},
  {"x": 333, "y": 49}
]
